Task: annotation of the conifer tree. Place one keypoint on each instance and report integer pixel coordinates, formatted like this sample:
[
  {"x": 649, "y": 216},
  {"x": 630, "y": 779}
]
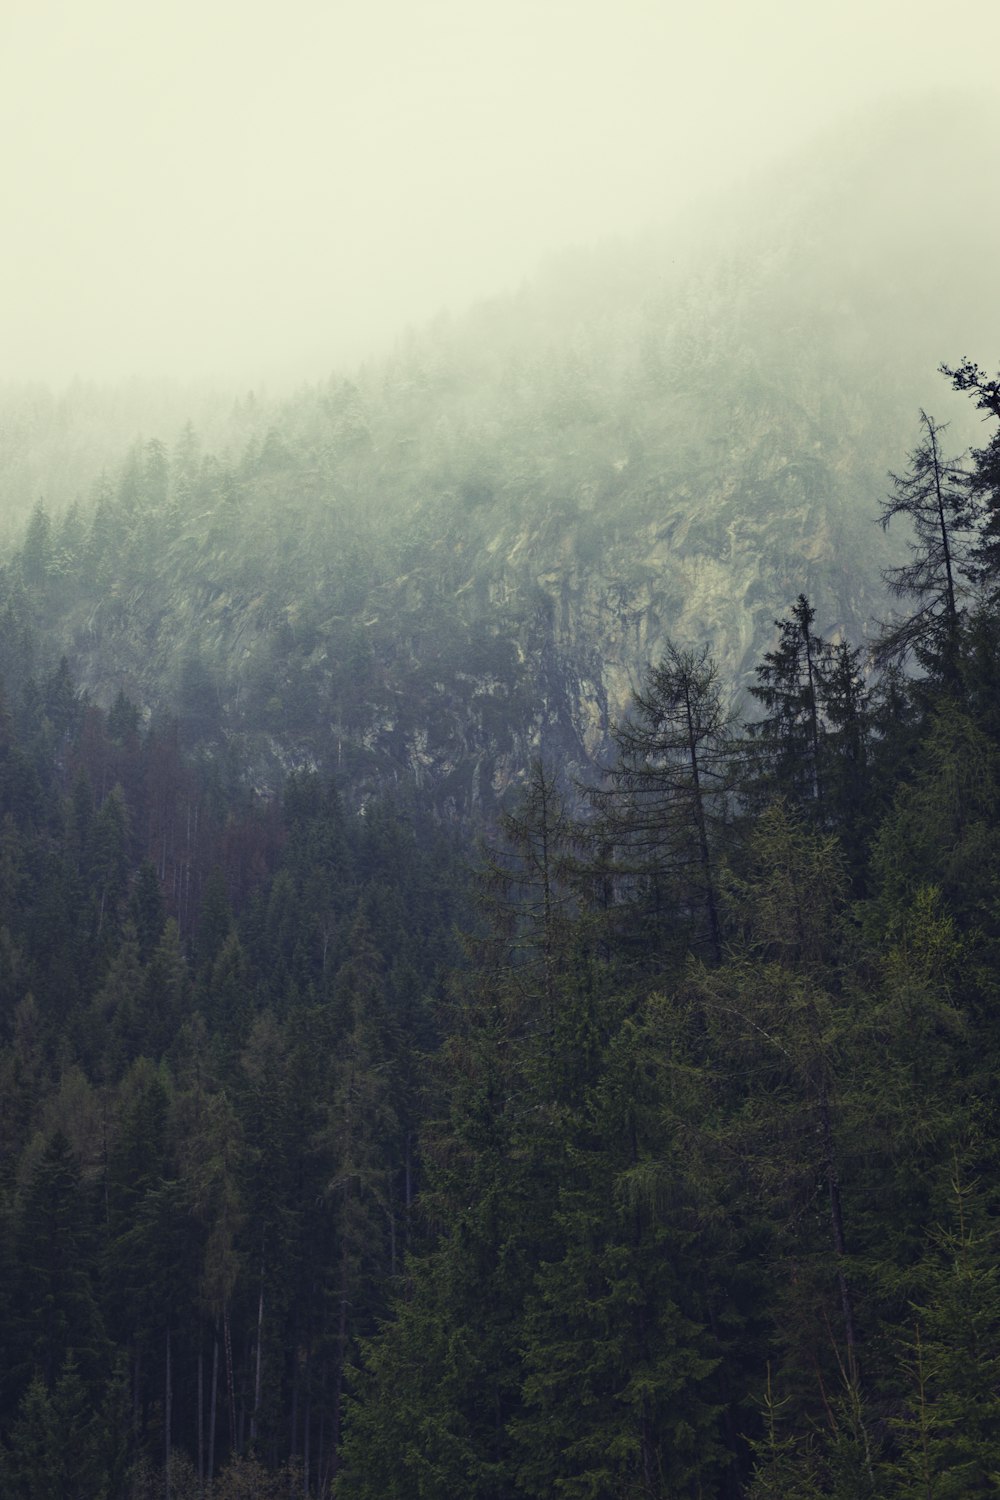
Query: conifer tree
[
  {"x": 933, "y": 496},
  {"x": 32, "y": 1469},
  {"x": 526, "y": 899},
  {"x": 786, "y": 1033},
  {"x": 950, "y": 1435},
  {"x": 785, "y": 742},
  {"x": 442, "y": 1381},
  {"x": 664, "y": 802},
  {"x": 57, "y": 1311},
  {"x": 983, "y": 478},
  {"x": 619, "y": 1390}
]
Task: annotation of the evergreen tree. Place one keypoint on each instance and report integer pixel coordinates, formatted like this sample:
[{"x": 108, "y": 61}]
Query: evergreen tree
[
  {"x": 33, "y": 1470},
  {"x": 664, "y": 802},
  {"x": 950, "y": 1436},
  {"x": 146, "y": 907},
  {"x": 787, "y": 1033},
  {"x": 933, "y": 496},
  {"x": 983, "y": 478},
  {"x": 111, "y": 858},
  {"x": 36, "y": 554},
  {"x": 57, "y": 1311},
  {"x": 619, "y": 1389},
  {"x": 785, "y": 755}
]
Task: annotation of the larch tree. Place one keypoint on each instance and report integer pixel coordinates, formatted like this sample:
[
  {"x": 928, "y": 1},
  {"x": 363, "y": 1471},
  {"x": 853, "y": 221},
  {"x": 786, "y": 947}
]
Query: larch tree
[{"x": 933, "y": 494}]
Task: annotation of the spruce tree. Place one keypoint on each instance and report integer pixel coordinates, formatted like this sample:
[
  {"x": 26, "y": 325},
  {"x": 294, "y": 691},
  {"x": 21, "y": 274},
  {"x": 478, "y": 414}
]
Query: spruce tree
[
  {"x": 662, "y": 809},
  {"x": 983, "y": 478},
  {"x": 784, "y": 749}
]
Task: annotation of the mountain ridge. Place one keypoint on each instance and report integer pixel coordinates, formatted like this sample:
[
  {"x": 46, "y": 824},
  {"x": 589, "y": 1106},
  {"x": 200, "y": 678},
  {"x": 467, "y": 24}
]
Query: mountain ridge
[{"x": 468, "y": 554}]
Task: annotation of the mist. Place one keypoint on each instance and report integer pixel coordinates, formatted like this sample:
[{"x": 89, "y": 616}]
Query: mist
[{"x": 236, "y": 193}]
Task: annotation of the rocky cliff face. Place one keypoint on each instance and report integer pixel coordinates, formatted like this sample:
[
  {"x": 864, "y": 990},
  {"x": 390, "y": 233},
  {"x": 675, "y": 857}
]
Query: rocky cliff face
[{"x": 469, "y": 555}]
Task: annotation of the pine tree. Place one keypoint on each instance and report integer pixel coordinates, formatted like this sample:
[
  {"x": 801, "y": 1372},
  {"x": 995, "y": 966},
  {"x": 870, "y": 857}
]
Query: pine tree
[
  {"x": 846, "y": 754},
  {"x": 933, "y": 496},
  {"x": 787, "y": 1034},
  {"x": 663, "y": 806},
  {"x": 784, "y": 749},
  {"x": 983, "y": 478},
  {"x": 110, "y": 859},
  {"x": 526, "y": 900},
  {"x": 36, "y": 554},
  {"x": 57, "y": 1311},
  {"x": 32, "y": 1470},
  {"x": 620, "y": 1394},
  {"x": 441, "y": 1383},
  {"x": 950, "y": 1437}
]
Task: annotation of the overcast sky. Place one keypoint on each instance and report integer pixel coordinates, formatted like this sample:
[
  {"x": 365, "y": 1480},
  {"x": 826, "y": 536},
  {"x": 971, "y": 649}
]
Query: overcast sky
[{"x": 240, "y": 189}]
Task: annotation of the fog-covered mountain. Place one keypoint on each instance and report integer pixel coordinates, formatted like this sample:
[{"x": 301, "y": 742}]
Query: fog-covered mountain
[
  {"x": 470, "y": 552},
  {"x": 651, "y": 1149}
]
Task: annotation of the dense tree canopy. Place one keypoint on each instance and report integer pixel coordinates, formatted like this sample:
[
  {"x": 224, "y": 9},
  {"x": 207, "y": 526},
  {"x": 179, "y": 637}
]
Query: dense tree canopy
[{"x": 673, "y": 1175}]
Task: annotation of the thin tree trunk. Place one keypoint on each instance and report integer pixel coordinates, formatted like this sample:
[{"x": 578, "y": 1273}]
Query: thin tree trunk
[
  {"x": 338, "y": 1388},
  {"x": 409, "y": 1170},
  {"x": 201, "y": 1416},
  {"x": 230, "y": 1389},
  {"x": 167, "y": 1401},
  {"x": 256, "y": 1379},
  {"x": 952, "y": 607},
  {"x": 648, "y": 1450},
  {"x": 837, "y": 1237},
  {"x": 408, "y": 1189},
  {"x": 813, "y": 714},
  {"x": 392, "y": 1241},
  {"x": 135, "y": 1396},
  {"x": 306, "y": 1431},
  {"x": 212, "y": 1408},
  {"x": 699, "y": 813},
  {"x": 293, "y": 1423},
  {"x": 322, "y": 1467}
]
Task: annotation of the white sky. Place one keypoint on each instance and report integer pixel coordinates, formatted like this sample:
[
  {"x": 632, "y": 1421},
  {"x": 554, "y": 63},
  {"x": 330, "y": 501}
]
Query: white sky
[{"x": 242, "y": 188}]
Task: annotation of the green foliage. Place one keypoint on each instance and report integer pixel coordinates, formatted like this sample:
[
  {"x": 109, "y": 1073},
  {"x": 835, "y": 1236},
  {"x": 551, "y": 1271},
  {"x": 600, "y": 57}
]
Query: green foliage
[
  {"x": 663, "y": 810},
  {"x": 671, "y": 1181},
  {"x": 933, "y": 495},
  {"x": 950, "y": 1435}
]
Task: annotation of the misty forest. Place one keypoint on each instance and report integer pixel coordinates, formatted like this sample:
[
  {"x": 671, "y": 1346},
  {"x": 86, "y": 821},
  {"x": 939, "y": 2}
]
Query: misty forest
[{"x": 500, "y": 893}]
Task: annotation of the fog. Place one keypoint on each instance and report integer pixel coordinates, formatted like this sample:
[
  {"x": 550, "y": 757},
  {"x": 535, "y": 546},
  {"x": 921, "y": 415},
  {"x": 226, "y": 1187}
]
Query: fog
[{"x": 249, "y": 191}]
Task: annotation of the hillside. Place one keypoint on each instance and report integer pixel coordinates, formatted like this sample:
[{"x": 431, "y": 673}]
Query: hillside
[
  {"x": 390, "y": 1110},
  {"x": 470, "y": 552}
]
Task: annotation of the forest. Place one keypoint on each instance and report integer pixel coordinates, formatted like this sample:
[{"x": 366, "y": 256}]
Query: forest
[{"x": 648, "y": 1149}]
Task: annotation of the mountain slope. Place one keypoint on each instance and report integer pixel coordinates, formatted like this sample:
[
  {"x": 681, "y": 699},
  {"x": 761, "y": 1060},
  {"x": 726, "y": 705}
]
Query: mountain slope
[{"x": 470, "y": 553}]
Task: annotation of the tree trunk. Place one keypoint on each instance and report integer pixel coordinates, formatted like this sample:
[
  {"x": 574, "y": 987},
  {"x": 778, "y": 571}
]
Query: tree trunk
[
  {"x": 212, "y": 1407},
  {"x": 230, "y": 1388},
  {"x": 256, "y": 1379},
  {"x": 135, "y": 1396},
  {"x": 338, "y": 1388},
  {"x": 201, "y": 1417},
  {"x": 293, "y": 1420},
  {"x": 704, "y": 856},
  {"x": 167, "y": 1401},
  {"x": 306, "y": 1433},
  {"x": 837, "y": 1237}
]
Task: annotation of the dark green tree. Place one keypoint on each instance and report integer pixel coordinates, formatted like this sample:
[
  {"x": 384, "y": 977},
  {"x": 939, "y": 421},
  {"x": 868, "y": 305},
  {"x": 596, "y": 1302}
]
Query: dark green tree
[
  {"x": 664, "y": 802},
  {"x": 983, "y": 477},
  {"x": 36, "y": 554},
  {"x": 785, "y": 743},
  {"x": 933, "y": 495},
  {"x": 619, "y": 1390},
  {"x": 950, "y": 1435},
  {"x": 57, "y": 1310}
]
